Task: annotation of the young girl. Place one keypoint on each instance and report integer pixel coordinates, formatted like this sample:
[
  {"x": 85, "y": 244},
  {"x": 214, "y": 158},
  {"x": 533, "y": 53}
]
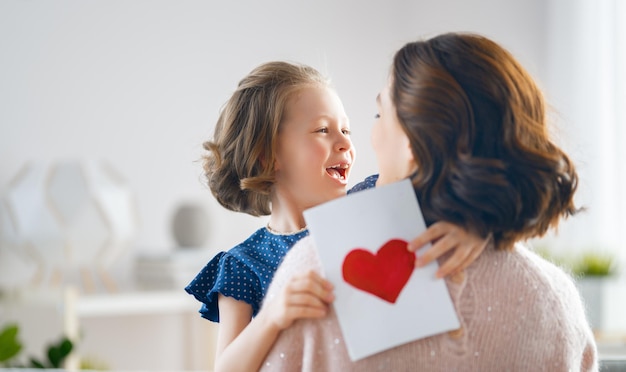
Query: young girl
[{"x": 282, "y": 145}]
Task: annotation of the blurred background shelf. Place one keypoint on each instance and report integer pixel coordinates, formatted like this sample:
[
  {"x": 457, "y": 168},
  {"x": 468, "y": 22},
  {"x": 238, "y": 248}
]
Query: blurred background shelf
[
  {"x": 135, "y": 303},
  {"x": 135, "y": 330}
]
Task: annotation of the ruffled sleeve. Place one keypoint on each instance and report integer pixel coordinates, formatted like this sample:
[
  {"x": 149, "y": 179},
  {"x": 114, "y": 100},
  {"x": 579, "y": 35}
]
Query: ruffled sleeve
[{"x": 227, "y": 275}]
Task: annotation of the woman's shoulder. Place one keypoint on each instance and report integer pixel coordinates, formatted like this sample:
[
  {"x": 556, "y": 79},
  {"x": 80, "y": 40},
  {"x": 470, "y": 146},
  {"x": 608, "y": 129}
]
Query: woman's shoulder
[
  {"x": 528, "y": 281},
  {"x": 541, "y": 298},
  {"x": 301, "y": 257},
  {"x": 548, "y": 271},
  {"x": 522, "y": 267},
  {"x": 542, "y": 285}
]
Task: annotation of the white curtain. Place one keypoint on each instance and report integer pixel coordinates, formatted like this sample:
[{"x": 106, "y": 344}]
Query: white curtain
[{"x": 585, "y": 83}]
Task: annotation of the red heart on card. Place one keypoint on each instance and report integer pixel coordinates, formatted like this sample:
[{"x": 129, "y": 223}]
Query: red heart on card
[{"x": 383, "y": 274}]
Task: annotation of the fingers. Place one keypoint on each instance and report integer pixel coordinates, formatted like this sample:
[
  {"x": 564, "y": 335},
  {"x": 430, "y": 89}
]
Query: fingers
[
  {"x": 305, "y": 302},
  {"x": 306, "y": 295},
  {"x": 293, "y": 313},
  {"x": 457, "y": 261},
  {"x": 284, "y": 313},
  {"x": 464, "y": 255},
  {"x": 469, "y": 259},
  {"x": 465, "y": 247},
  {"x": 312, "y": 284},
  {"x": 434, "y": 232},
  {"x": 445, "y": 236},
  {"x": 473, "y": 254}
]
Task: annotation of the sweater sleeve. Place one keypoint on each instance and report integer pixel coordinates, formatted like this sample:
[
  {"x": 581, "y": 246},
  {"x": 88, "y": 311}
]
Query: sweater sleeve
[
  {"x": 583, "y": 339},
  {"x": 577, "y": 336}
]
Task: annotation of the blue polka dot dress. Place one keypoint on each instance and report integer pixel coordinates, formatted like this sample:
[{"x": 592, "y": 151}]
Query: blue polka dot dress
[
  {"x": 243, "y": 273},
  {"x": 367, "y": 183}
]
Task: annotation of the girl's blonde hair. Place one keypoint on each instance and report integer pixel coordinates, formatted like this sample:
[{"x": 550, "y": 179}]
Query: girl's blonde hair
[{"x": 239, "y": 165}]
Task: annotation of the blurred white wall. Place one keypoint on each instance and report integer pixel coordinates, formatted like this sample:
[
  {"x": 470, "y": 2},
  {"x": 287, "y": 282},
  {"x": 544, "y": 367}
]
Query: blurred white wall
[
  {"x": 586, "y": 81},
  {"x": 140, "y": 83}
]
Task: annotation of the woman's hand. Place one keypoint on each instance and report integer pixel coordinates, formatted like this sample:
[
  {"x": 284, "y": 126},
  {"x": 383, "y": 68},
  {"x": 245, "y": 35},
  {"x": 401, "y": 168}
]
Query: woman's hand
[
  {"x": 446, "y": 237},
  {"x": 306, "y": 295}
]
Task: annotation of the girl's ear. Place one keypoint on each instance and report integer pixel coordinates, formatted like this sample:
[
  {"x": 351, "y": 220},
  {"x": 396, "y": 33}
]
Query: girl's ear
[{"x": 264, "y": 163}]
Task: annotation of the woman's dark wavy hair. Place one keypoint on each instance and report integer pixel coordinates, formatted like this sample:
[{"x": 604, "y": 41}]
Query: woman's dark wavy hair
[
  {"x": 239, "y": 164},
  {"x": 477, "y": 126}
]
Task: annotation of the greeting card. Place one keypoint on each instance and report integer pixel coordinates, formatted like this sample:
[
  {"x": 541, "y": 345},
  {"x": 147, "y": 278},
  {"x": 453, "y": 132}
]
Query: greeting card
[{"x": 381, "y": 299}]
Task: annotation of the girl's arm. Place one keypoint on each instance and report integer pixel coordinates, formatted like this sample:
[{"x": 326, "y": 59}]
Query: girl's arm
[
  {"x": 446, "y": 237},
  {"x": 243, "y": 344},
  {"x": 235, "y": 315}
]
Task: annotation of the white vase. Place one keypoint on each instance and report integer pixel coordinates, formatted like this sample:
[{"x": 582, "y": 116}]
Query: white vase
[
  {"x": 592, "y": 292},
  {"x": 190, "y": 226}
]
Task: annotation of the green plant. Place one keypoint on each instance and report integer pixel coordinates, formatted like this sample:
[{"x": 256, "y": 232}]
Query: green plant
[
  {"x": 93, "y": 364},
  {"x": 594, "y": 264},
  {"x": 587, "y": 264},
  {"x": 10, "y": 347}
]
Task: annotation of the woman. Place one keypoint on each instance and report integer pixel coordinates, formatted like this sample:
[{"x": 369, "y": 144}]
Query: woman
[{"x": 463, "y": 119}]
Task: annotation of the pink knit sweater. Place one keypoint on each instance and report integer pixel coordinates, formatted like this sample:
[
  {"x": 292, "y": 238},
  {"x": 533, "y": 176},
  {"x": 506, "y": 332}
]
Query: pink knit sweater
[{"x": 518, "y": 313}]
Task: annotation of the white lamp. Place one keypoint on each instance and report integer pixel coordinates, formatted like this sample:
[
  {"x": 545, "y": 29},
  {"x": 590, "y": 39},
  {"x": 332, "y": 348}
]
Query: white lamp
[{"x": 69, "y": 216}]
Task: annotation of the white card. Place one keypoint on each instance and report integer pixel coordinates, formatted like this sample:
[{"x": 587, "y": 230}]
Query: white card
[{"x": 364, "y": 222}]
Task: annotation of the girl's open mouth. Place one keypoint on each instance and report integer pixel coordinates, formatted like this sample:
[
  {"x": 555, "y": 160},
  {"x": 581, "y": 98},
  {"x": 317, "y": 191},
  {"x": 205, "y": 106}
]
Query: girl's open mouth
[{"x": 338, "y": 171}]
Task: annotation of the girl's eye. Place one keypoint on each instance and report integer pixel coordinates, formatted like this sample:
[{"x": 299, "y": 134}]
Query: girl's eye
[
  {"x": 377, "y": 116},
  {"x": 347, "y": 132},
  {"x": 322, "y": 130}
]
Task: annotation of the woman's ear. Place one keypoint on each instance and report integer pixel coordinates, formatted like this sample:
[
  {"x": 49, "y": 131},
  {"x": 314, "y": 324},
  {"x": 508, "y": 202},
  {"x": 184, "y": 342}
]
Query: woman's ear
[{"x": 409, "y": 157}]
